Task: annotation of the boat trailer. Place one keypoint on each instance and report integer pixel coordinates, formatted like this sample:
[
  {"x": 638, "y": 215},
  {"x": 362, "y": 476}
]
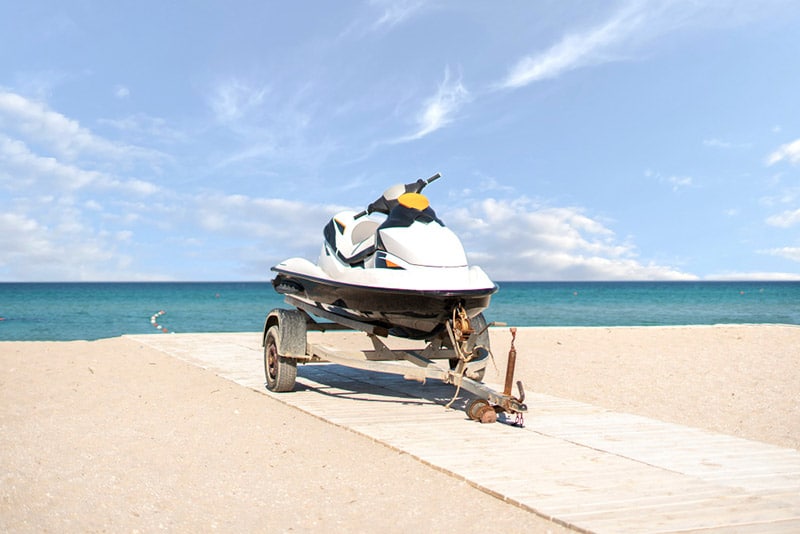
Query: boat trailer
[{"x": 285, "y": 342}]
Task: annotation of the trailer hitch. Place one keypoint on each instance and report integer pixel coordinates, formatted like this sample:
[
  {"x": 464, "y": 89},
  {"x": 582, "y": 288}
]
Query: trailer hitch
[{"x": 485, "y": 410}]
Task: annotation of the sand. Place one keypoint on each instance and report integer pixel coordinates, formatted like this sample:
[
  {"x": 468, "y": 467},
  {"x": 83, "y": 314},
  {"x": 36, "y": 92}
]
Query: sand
[
  {"x": 113, "y": 436},
  {"x": 742, "y": 380}
]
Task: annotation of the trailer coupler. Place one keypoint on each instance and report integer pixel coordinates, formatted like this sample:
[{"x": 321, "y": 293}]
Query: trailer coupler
[{"x": 486, "y": 408}]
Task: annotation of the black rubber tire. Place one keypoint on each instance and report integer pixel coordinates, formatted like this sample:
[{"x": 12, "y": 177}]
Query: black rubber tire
[{"x": 279, "y": 371}]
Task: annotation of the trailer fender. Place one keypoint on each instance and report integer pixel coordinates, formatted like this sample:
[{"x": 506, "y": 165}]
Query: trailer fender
[{"x": 291, "y": 332}]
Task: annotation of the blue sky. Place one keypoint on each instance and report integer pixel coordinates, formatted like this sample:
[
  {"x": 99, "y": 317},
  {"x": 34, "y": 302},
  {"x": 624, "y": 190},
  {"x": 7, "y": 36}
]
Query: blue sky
[{"x": 578, "y": 140}]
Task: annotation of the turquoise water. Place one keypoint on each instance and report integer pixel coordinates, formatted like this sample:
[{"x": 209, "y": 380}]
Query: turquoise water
[
  {"x": 67, "y": 311},
  {"x": 646, "y": 303}
]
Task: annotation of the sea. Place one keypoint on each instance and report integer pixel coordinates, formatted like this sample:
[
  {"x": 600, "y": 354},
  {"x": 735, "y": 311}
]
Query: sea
[{"x": 90, "y": 311}]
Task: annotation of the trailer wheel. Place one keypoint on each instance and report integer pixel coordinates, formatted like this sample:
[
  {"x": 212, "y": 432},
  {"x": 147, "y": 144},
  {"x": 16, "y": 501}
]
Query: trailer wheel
[{"x": 279, "y": 371}]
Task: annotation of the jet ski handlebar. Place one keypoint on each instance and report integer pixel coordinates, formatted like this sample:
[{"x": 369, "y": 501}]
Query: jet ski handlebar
[
  {"x": 388, "y": 199},
  {"x": 433, "y": 178}
]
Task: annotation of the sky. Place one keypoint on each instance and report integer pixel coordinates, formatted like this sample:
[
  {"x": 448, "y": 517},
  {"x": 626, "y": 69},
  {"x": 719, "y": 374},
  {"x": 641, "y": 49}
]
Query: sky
[{"x": 617, "y": 140}]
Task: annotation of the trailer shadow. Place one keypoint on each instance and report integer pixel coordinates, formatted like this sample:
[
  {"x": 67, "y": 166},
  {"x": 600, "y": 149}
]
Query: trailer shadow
[{"x": 344, "y": 382}]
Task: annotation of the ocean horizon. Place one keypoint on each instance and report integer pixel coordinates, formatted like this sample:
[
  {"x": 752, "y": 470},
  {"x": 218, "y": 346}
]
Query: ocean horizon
[{"x": 64, "y": 311}]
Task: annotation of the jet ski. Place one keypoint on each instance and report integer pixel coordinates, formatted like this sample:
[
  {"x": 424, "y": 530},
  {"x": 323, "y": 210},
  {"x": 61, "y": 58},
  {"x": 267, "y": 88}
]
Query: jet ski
[{"x": 392, "y": 269}]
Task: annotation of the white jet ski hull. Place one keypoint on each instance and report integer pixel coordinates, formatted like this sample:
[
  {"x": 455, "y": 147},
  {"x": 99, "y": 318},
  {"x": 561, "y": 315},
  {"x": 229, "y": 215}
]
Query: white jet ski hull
[{"x": 414, "y": 304}]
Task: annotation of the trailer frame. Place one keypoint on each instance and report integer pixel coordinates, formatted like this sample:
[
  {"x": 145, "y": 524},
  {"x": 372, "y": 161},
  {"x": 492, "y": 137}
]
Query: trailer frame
[{"x": 285, "y": 342}]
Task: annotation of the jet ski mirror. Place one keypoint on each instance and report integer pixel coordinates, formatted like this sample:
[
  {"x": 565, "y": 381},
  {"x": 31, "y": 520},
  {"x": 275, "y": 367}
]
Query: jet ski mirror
[{"x": 394, "y": 192}]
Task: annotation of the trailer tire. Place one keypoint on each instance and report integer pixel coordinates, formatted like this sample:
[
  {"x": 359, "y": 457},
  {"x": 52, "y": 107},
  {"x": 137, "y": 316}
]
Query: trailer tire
[{"x": 279, "y": 370}]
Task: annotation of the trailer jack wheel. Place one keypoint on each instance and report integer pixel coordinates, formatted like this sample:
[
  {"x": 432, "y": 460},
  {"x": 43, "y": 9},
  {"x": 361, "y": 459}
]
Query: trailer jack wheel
[
  {"x": 481, "y": 410},
  {"x": 279, "y": 371}
]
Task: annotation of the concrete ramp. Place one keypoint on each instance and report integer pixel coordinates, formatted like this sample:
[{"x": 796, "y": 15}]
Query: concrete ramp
[{"x": 580, "y": 465}]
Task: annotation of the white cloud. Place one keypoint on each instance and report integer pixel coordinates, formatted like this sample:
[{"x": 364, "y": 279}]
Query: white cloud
[
  {"x": 63, "y": 250},
  {"x": 93, "y": 205},
  {"x": 789, "y": 152},
  {"x": 233, "y": 99},
  {"x": 395, "y": 12},
  {"x": 383, "y": 16},
  {"x": 724, "y": 145},
  {"x": 146, "y": 128},
  {"x": 438, "y": 110},
  {"x": 121, "y": 92},
  {"x": 139, "y": 187},
  {"x": 20, "y": 234},
  {"x": 717, "y": 143},
  {"x": 22, "y": 169},
  {"x": 635, "y": 24},
  {"x": 269, "y": 127},
  {"x": 520, "y": 240},
  {"x": 679, "y": 182},
  {"x": 25, "y": 169},
  {"x": 512, "y": 240},
  {"x": 59, "y": 211},
  {"x": 791, "y": 253},
  {"x": 278, "y": 228},
  {"x": 675, "y": 181},
  {"x": 786, "y": 195},
  {"x": 577, "y": 50},
  {"x": 64, "y": 136},
  {"x": 785, "y": 219}
]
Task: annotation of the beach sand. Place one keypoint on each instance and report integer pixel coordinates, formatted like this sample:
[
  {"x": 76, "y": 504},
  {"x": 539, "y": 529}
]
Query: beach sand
[
  {"x": 742, "y": 380},
  {"x": 110, "y": 435}
]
